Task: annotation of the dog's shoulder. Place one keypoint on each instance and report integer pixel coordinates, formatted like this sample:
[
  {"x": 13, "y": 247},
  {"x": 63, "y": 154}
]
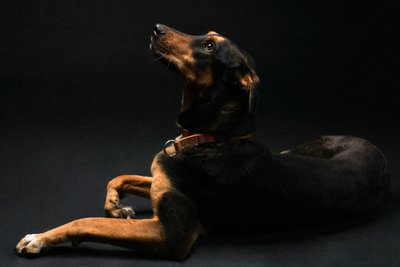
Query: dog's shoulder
[{"x": 220, "y": 164}]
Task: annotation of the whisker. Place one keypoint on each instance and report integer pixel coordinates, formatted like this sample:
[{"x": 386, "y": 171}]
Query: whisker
[
  {"x": 163, "y": 55},
  {"x": 169, "y": 62}
]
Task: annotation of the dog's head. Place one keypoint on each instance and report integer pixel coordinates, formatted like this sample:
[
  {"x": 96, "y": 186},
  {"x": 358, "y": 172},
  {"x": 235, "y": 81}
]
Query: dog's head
[{"x": 208, "y": 63}]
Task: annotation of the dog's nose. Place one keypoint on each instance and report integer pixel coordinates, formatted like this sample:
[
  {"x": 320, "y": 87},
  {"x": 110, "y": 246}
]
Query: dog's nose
[{"x": 159, "y": 29}]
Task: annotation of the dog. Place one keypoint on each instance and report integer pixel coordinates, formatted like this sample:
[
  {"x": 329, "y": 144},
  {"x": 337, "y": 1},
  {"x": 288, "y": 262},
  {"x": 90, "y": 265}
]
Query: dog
[{"x": 203, "y": 180}]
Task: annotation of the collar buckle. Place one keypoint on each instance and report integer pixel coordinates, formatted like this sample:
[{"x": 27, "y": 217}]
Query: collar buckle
[{"x": 168, "y": 145}]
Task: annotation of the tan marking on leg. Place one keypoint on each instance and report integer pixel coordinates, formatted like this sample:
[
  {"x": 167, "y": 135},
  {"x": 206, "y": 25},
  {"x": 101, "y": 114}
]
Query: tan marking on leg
[
  {"x": 133, "y": 184},
  {"x": 161, "y": 184},
  {"x": 144, "y": 235},
  {"x": 181, "y": 229}
]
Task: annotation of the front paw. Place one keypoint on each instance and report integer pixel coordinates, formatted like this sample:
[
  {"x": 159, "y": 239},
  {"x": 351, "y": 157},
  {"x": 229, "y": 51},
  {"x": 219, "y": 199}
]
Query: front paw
[
  {"x": 127, "y": 212},
  {"x": 114, "y": 209},
  {"x": 30, "y": 245}
]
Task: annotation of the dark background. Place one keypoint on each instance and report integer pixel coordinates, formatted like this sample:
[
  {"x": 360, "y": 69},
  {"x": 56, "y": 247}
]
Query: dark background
[{"x": 82, "y": 102}]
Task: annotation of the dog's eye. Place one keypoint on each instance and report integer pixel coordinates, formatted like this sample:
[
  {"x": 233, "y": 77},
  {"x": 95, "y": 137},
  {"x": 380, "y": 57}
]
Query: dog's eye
[{"x": 209, "y": 47}]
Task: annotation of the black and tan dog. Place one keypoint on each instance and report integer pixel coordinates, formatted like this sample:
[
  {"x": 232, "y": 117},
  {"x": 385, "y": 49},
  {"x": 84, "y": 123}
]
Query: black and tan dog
[{"x": 205, "y": 179}]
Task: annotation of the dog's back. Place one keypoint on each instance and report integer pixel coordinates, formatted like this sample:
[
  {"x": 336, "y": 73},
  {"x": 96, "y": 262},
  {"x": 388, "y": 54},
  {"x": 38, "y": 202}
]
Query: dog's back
[{"x": 242, "y": 186}]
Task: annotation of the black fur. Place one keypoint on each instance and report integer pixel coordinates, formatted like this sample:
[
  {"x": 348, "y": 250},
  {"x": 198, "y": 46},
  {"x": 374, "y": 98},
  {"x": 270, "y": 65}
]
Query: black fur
[{"x": 239, "y": 185}]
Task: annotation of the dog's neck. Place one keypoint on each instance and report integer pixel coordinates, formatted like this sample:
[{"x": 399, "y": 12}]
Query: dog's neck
[
  {"x": 190, "y": 93},
  {"x": 207, "y": 110}
]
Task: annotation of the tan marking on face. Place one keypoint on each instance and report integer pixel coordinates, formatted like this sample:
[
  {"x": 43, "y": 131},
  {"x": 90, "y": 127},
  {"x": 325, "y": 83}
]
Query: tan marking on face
[
  {"x": 217, "y": 38},
  {"x": 178, "y": 50},
  {"x": 204, "y": 78},
  {"x": 194, "y": 90},
  {"x": 180, "y": 54},
  {"x": 212, "y": 32}
]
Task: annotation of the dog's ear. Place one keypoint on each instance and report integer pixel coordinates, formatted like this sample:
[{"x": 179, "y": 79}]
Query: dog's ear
[
  {"x": 238, "y": 72},
  {"x": 248, "y": 81},
  {"x": 241, "y": 74},
  {"x": 248, "y": 77}
]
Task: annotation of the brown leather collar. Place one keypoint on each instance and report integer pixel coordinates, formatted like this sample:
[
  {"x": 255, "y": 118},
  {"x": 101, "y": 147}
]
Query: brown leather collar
[{"x": 173, "y": 146}]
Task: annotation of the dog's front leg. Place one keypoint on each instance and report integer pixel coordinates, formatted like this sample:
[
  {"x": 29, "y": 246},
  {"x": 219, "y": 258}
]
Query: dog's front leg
[
  {"x": 145, "y": 235},
  {"x": 118, "y": 187}
]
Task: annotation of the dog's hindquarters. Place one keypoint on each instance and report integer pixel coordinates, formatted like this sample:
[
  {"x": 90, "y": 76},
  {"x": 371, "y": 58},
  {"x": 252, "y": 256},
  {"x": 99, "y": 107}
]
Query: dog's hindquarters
[{"x": 346, "y": 175}]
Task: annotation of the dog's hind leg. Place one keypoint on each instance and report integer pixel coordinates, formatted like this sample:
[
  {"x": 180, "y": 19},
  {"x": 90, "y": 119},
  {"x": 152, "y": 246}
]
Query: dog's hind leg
[{"x": 118, "y": 187}]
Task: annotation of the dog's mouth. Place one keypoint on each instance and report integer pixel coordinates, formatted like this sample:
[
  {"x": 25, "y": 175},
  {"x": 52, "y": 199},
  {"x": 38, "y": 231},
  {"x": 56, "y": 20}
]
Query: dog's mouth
[
  {"x": 157, "y": 47},
  {"x": 161, "y": 53}
]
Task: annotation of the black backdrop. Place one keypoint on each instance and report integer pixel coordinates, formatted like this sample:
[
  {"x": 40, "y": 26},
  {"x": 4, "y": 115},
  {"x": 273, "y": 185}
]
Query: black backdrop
[
  {"x": 68, "y": 60},
  {"x": 81, "y": 102}
]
